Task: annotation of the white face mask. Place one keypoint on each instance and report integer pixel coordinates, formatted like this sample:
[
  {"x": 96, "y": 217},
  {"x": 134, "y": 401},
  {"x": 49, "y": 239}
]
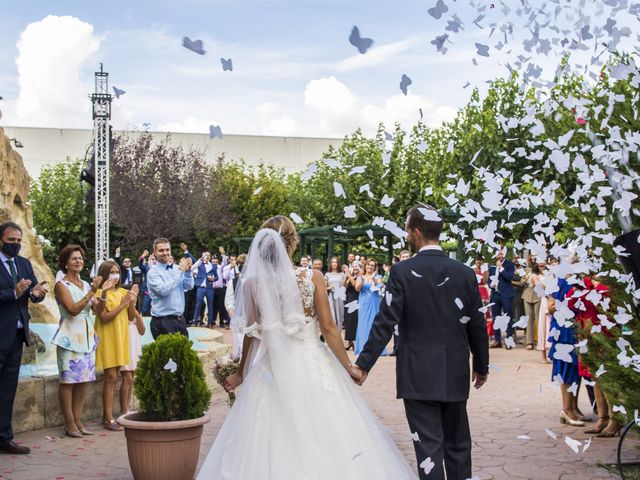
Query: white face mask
[{"x": 114, "y": 276}]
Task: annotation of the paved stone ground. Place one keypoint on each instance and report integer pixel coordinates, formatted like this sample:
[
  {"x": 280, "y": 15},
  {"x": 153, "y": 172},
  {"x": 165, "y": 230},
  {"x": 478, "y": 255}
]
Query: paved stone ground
[{"x": 517, "y": 400}]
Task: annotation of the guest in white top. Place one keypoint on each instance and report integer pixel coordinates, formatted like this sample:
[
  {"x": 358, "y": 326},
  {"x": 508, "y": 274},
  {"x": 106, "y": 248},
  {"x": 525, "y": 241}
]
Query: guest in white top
[
  {"x": 230, "y": 305},
  {"x": 337, "y": 292}
]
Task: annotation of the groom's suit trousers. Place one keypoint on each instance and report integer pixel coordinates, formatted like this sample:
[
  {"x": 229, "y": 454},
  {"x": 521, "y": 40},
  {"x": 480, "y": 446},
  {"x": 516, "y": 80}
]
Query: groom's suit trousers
[{"x": 443, "y": 436}]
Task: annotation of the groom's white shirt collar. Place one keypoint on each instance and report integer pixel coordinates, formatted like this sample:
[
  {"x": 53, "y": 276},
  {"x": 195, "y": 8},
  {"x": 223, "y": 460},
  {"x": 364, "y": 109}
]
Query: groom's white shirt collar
[{"x": 430, "y": 247}]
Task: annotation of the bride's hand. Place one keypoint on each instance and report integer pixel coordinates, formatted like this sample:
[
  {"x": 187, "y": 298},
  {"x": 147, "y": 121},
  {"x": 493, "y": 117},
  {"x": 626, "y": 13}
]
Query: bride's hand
[
  {"x": 232, "y": 382},
  {"x": 357, "y": 374}
]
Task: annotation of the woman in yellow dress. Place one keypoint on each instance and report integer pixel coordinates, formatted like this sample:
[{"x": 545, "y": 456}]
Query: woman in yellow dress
[{"x": 114, "y": 308}]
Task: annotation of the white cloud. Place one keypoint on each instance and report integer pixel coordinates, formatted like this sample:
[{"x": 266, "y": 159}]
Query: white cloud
[
  {"x": 52, "y": 79},
  {"x": 189, "y": 125},
  {"x": 405, "y": 109},
  {"x": 329, "y": 96},
  {"x": 376, "y": 55},
  {"x": 338, "y": 111},
  {"x": 274, "y": 124}
]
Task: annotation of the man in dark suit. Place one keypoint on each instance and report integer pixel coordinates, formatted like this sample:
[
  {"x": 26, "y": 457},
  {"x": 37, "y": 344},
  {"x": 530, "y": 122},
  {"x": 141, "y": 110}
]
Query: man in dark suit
[
  {"x": 502, "y": 295},
  {"x": 126, "y": 270},
  {"x": 435, "y": 303},
  {"x": 18, "y": 285}
]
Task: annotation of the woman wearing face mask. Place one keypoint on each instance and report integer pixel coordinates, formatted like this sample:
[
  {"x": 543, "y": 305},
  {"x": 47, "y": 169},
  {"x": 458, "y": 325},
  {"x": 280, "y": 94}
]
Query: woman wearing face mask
[
  {"x": 75, "y": 338},
  {"x": 114, "y": 308}
]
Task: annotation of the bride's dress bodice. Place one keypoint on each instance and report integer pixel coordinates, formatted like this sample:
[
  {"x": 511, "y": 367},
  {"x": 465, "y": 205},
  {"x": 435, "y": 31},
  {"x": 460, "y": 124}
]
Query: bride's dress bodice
[
  {"x": 307, "y": 291},
  {"x": 318, "y": 353}
]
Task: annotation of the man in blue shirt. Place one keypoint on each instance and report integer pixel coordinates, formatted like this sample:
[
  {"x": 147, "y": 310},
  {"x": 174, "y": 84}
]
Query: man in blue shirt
[{"x": 166, "y": 283}]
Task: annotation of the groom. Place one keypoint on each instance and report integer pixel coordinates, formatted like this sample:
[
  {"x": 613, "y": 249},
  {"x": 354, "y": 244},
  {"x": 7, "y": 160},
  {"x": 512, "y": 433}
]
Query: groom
[{"x": 435, "y": 302}]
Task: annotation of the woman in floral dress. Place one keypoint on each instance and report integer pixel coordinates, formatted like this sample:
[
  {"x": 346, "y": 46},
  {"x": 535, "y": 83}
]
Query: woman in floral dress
[{"x": 75, "y": 338}]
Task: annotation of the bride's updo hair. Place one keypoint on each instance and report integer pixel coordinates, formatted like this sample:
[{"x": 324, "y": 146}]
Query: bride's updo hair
[{"x": 287, "y": 230}]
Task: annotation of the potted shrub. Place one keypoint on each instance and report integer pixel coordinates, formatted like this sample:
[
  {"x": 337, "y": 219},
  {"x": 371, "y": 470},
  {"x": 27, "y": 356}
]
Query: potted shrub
[{"x": 163, "y": 438}]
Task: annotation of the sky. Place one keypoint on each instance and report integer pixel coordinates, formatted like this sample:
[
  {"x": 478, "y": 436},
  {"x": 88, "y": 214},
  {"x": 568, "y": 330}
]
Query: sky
[{"x": 295, "y": 72}]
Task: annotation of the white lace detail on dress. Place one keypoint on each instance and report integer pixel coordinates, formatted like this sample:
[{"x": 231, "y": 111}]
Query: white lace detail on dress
[{"x": 307, "y": 291}]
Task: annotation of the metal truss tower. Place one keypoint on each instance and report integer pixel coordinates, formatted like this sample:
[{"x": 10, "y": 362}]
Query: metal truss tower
[{"x": 101, "y": 100}]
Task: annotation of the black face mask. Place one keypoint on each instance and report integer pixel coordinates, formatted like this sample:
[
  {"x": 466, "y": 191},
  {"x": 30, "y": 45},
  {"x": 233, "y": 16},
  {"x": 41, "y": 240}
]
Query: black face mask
[{"x": 11, "y": 249}]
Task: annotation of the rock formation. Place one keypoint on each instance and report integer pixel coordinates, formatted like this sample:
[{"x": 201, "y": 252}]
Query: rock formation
[{"x": 14, "y": 205}]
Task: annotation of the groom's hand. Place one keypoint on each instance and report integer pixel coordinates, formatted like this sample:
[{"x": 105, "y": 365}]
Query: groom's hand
[{"x": 478, "y": 380}]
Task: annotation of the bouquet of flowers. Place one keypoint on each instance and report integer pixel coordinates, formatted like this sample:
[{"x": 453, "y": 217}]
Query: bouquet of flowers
[{"x": 222, "y": 368}]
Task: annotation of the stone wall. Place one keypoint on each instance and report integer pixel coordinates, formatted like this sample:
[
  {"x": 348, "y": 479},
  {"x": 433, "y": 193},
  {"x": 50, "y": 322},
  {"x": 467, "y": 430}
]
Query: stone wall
[{"x": 14, "y": 205}]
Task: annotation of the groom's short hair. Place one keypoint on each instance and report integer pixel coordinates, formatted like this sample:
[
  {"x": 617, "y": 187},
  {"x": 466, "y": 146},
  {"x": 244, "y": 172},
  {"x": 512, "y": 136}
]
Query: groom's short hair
[{"x": 429, "y": 225}]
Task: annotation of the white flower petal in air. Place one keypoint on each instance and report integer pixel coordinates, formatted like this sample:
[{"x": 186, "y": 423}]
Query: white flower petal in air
[
  {"x": 573, "y": 389},
  {"x": 443, "y": 282},
  {"x": 352, "y": 306},
  {"x": 332, "y": 162},
  {"x": 429, "y": 214},
  {"x": 522, "y": 323},
  {"x": 295, "y": 217},
  {"x": 510, "y": 342},
  {"x": 171, "y": 366},
  {"x": 388, "y": 298},
  {"x": 387, "y": 200},
  {"x": 587, "y": 444},
  {"x": 464, "y": 320},
  {"x": 257, "y": 190},
  {"x": 600, "y": 370},
  {"x": 427, "y": 465},
  {"x": 350, "y": 211},
  {"x": 338, "y": 190},
  {"x": 501, "y": 322},
  {"x": 551, "y": 433},
  {"x": 619, "y": 408},
  {"x": 415, "y": 274},
  {"x": 563, "y": 352},
  {"x": 414, "y": 436},
  {"x": 523, "y": 437},
  {"x": 459, "y": 303},
  {"x": 573, "y": 444}
]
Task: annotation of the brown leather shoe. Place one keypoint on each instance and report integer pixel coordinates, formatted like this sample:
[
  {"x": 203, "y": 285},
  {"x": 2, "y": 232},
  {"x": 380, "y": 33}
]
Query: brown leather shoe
[
  {"x": 494, "y": 344},
  {"x": 12, "y": 448}
]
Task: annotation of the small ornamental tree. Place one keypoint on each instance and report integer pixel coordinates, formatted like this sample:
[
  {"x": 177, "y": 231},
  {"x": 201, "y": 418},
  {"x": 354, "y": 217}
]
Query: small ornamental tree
[
  {"x": 170, "y": 382},
  {"x": 160, "y": 189}
]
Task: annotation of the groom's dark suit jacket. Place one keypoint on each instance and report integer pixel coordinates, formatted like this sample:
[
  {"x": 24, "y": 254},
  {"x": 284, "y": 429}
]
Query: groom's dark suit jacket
[{"x": 433, "y": 346}]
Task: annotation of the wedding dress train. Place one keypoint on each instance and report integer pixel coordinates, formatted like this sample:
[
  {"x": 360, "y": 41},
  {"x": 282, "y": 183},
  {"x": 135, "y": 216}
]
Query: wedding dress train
[{"x": 298, "y": 415}]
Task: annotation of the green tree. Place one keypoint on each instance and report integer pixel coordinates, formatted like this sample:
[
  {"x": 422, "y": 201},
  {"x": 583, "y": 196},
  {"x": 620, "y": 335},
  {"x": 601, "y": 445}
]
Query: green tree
[{"x": 59, "y": 212}]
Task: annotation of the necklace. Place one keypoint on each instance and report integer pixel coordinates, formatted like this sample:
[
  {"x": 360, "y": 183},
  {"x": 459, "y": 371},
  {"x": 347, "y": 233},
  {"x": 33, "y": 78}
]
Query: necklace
[{"x": 74, "y": 281}]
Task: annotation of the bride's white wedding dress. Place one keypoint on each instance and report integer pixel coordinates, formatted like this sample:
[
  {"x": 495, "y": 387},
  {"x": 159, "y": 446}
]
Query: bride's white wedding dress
[{"x": 298, "y": 415}]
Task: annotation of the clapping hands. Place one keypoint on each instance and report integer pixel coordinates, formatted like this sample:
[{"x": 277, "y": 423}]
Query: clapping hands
[
  {"x": 185, "y": 264},
  {"x": 40, "y": 290}
]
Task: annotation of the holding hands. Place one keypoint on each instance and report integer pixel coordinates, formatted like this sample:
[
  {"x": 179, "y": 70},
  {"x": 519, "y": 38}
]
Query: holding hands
[{"x": 357, "y": 374}]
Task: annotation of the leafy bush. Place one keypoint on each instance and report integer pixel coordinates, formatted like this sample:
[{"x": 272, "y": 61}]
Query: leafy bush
[{"x": 165, "y": 395}]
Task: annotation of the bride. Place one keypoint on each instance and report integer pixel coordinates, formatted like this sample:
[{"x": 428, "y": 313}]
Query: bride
[{"x": 298, "y": 414}]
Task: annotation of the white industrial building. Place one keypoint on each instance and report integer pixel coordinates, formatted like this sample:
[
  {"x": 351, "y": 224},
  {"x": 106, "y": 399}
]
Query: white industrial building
[{"x": 43, "y": 146}]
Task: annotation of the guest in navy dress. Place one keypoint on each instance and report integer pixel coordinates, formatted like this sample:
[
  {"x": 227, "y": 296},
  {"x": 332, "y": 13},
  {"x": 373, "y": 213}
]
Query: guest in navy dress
[{"x": 564, "y": 359}]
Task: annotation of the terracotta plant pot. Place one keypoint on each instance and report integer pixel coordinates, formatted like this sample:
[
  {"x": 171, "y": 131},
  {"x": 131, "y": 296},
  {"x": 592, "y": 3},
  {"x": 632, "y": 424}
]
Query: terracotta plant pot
[{"x": 163, "y": 450}]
